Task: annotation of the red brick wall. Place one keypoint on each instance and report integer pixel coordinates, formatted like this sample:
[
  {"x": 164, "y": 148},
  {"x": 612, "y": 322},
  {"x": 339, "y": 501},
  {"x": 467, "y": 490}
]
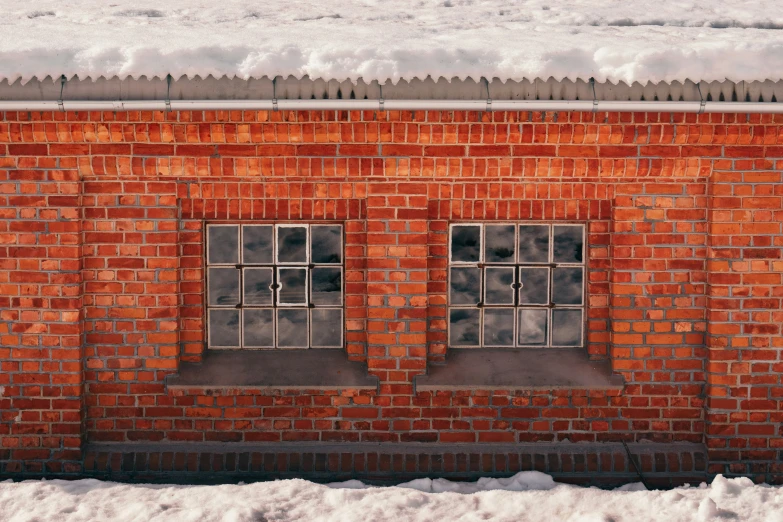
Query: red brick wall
[{"x": 101, "y": 273}]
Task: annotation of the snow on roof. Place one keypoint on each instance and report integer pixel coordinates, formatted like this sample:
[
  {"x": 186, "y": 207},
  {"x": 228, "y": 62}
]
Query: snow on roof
[{"x": 610, "y": 40}]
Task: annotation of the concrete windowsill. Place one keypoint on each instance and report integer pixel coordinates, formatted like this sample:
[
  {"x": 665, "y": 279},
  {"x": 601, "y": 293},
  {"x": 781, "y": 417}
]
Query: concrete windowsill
[
  {"x": 497, "y": 369},
  {"x": 274, "y": 370}
]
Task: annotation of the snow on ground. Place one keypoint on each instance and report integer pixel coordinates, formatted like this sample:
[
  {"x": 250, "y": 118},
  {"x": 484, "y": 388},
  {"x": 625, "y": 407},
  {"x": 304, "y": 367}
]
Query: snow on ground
[
  {"x": 639, "y": 40},
  {"x": 527, "y": 496}
]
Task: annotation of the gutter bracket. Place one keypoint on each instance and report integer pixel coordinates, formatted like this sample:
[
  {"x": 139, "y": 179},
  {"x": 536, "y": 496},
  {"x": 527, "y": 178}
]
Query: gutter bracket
[
  {"x": 168, "y": 93},
  {"x": 63, "y": 79},
  {"x": 380, "y": 100},
  {"x": 595, "y": 98},
  {"x": 489, "y": 98},
  {"x": 274, "y": 94},
  {"x": 703, "y": 101}
]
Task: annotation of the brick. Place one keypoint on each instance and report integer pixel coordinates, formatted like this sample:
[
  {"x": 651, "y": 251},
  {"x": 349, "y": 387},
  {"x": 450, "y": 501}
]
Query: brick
[
  {"x": 534, "y": 150},
  {"x": 489, "y": 150},
  {"x": 316, "y": 150},
  {"x": 401, "y": 150},
  {"x": 358, "y": 150},
  {"x": 360, "y": 413},
  {"x": 150, "y": 149},
  {"x": 28, "y": 149},
  {"x": 447, "y": 151},
  {"x": 196, "y": 150}
]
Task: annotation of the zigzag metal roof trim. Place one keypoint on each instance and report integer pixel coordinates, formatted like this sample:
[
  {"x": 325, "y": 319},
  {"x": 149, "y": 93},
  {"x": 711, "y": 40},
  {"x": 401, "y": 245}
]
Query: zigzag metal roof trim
[{"x": 319, "y": 94}]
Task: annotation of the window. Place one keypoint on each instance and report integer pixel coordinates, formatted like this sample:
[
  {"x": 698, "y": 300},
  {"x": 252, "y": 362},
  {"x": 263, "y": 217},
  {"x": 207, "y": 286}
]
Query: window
[
  {"x": 516, "y": 285},
  {"x": 275, "y": 286}
]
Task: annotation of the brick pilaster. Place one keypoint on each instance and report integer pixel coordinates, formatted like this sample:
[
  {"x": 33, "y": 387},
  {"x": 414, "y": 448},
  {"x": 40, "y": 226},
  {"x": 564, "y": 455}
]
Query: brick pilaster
[
  {"x": 658, "y": 324},
  {"x": 131, "y": 278},
  {"x": 41, "y": 322},
  {"x": 745, "y": 309}
]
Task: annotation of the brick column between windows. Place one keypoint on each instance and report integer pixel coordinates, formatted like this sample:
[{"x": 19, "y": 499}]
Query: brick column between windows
[{"x": 397, "y": 281}]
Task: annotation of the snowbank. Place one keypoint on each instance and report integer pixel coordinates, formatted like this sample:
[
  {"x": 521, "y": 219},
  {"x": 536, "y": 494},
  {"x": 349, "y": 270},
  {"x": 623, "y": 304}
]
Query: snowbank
[
  {"x": 528, "y": 496},
  {"x": 640, "y": 40}
]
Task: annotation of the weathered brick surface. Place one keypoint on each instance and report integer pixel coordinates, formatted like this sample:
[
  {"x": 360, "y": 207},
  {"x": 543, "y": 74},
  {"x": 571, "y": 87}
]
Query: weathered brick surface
[{"x": 101, "y": 274}]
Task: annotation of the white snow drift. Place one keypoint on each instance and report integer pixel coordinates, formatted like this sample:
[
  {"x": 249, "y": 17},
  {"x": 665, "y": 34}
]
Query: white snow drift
[
  {"x": 527, "y": 496},
  {"x": 639, "y": 40}
]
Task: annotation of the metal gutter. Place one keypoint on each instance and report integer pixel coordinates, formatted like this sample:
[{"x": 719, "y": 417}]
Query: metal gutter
[{"x": 694, "y": 107}]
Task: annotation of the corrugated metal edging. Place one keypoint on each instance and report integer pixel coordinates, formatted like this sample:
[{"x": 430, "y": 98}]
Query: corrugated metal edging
[{"x": 266, "y": 89}]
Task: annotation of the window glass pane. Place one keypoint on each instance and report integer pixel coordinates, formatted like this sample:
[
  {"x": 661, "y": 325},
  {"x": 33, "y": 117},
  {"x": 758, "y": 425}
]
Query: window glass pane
[
  {"x": 292, "y": 328},
  {"x": 259, "y": 328},
  {"x": 257, "y": 244},
  {"x": 464, "y": 326},
  {"x": 533, "y": 243},
  {"x": 254, "y": 302},
  {"x": 499, "y": 244},
  {"x": 498, "y": 327},
  {"x": 566, "y": 327},
  {"x": 327, "y": 286},
  {"x": 510, "y": 300},
  {"x": 567, "y": 285},
  {"x": 257, "y": 283},
  {"x": 292, "y": 285},
  {"x": 223, "y": 286},
  {"x": 534, "y": 286},
  {"x": 465, "y": 285},
  {"x": 568, "y": 244},
  {"x": 223, "y": 244},
  {"x": 327, "y": 327},
  {"x": 327, "y": 244},
  {"x": 292, "y": 244},
  {"x": 465, "y": 243},
  {"x": 224, "y": 328},
  {"x": 531, "y": 327},
  {"x": 499, "y": 283}
]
